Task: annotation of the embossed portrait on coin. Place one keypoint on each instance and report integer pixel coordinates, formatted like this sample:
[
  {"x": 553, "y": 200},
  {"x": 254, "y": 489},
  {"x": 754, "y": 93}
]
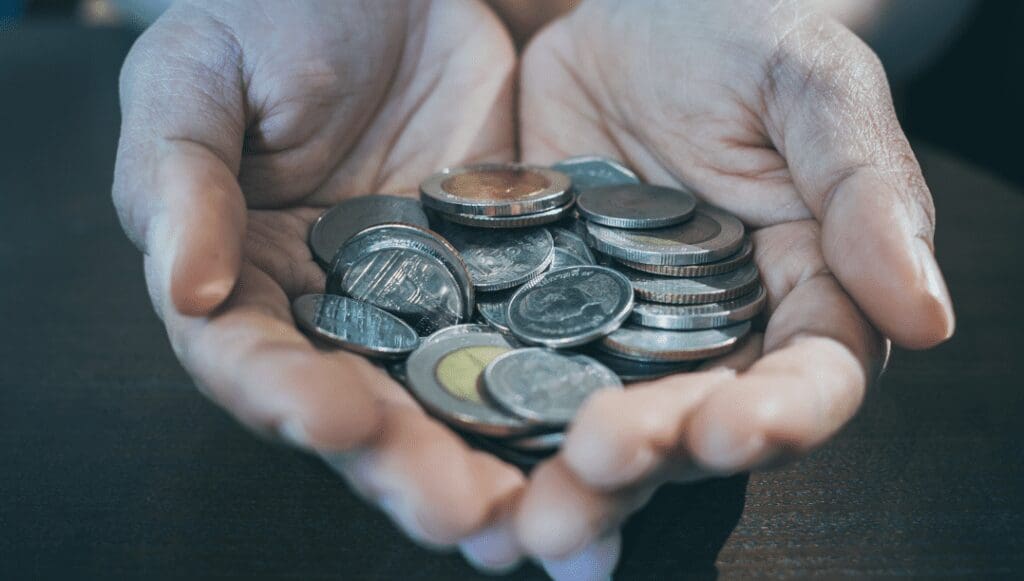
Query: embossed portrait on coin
[{"x": 573, "y": 305}]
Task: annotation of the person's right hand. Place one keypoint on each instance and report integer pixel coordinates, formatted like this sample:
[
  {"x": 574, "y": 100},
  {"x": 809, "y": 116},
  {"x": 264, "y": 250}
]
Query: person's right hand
[{"x": 242, "y": 121}]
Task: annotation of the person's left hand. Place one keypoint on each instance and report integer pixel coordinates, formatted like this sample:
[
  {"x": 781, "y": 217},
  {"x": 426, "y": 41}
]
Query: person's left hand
[{"x": 784, "y": 118}]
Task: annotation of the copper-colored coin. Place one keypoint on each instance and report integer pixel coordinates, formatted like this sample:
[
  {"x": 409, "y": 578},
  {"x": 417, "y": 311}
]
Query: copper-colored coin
[{"x": 496, "y": 189}]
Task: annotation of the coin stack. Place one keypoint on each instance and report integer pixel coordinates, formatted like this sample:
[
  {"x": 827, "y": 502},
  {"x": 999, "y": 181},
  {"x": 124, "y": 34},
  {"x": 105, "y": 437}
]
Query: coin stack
[{"x": 510, "y": 293}]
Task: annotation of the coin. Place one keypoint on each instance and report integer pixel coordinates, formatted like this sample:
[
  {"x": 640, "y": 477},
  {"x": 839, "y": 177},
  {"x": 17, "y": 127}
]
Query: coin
[
  {"x": 659, "y": 345},
  {"x": 705, "y": 316},
  {"x": 637, "y": 206},
  {"x": 562, "y": 258},
  {"x": 501, "y": 259},
  {"x": 493, "y": 307},
  {"x": 741, "y": 257},
  {"x": 496, "y": 190},
  {"x": 543, "y": 386},
  {"x": 445, "y": 376},
  {"x": 508, "y": 222},
  {"x": 344, "y": 220},
  {"x": 588, "y": 171},
  {"x": 354, "y": 325},
  {"x": 710, "y": 235},
  {"x": 570, "y": 306},
  {"x": 569, "y": 241},
  {"x": 538, "y": 443},
  {"x": 632, "y": 371},
  {"x": 405, "y": 270},
  {"x": 454, "y": 331},
  {"x": 694, "y": 291}
]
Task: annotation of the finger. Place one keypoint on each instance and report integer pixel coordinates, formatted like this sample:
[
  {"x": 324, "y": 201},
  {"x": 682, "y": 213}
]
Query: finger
[
  {"x": 493, "y": 550},
  {"x": 436, "y": 507},
  {"x": 250, "y": 358},
  {"x": 596, "y": 562},
  {"x": 562, "y": 521},
  {"x": 831, "y": 115},
  {"x": 175, "y": 187}
]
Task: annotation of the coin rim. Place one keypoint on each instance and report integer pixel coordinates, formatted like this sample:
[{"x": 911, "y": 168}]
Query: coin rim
[
  {"x": 522, "y": 279},
  {"x": 609, "y": 345},
  {"x": 727, "y": 264},
  {"x": 580, "y": 159},
  {"x": 663, "y": 221},
  {"x": 316, "y": 226},
  {"x": 510, "y": 222},
  {"x": 606, "y": 328},
  {"x": 684, "y": 317},
  {"x": 360, "y": 348},
  {"x": 713, "y": 294},
  {"x": 726, "y": 243},
  {"x": 433, "y": 195}
]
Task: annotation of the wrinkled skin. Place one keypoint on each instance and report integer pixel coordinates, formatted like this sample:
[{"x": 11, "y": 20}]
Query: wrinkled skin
[{"x": 243, "y": 122}]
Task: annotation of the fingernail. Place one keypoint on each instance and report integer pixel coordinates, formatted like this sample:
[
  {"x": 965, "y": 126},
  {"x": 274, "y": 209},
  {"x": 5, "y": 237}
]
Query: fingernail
[
  {"x": 594, "y": 563},
  {"x": 724, "y": 451},
  {"x": 212, "y": 293},
  {"x": 935, "y": 284},
  {"x": 293, "y": 432},
  {"x": 492, "y": 550}
]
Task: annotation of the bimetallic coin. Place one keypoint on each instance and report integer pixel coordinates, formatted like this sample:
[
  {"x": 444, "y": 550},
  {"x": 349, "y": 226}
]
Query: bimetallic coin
[
  {"x": 706, "y": 316},
  {"x": 659, "y": 345},
  {"x": 455, "y": 331},
  {"x": 695, "y": 291},
  {"x": 502, "y": 259},
  {"x": 493, "y": 307},
  {"x": 710, "y": 235},
  {"x": 405, "y": 276},
  {"x": 354, "y": 325},
  {"x": 564, "y": 259},
  {"x": 569, "y": 241},
  {"x": 570, "y": 306},
  {"x": 637, "y": 206},
  {"x": 741, "y": 257},
  {"x": 510, "y": 222},
  {"x": 445, "y": 377},
  {"x": 588, "y": 171},
  {"x": 633, "y": 371},
  {"x": 343, "y": 221},
  {"x": 496, "y": 190},
  {"x": 543, "y": 386}
]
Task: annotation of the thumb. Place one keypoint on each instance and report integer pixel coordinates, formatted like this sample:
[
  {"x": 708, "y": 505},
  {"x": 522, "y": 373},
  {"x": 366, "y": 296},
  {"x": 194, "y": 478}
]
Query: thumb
[
  {"x": 829, "y": 104},
  {"x": 175, "y": 185}
]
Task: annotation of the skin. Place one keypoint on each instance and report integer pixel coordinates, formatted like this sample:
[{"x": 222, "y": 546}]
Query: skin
[{"x": 241, "y": 123}]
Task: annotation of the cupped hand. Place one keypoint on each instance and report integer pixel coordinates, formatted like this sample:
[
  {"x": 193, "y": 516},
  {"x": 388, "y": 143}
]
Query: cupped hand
[
  {"x": 784, "y": 118},
  {"x": 242, "y": 121}
]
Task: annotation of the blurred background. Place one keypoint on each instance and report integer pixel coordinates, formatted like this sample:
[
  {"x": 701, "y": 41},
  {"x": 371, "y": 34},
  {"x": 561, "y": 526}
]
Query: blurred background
[{"x": 954, "y": 65}]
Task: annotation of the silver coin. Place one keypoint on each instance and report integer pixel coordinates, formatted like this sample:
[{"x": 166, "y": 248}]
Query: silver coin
[
  {"x": 493, "y": 308},
  {"x": 695, "y": 291},
  {"x": 445, "y": 377},
  {"x": 508, "y": 222},
  {"x": 496, "y": 189},
  {"x": 710, "y": 235},
  {"x": 564, "y": 259},
  {"x": 343, "y": 221},
  {"x": 573, "y": 243},
  {"x": 543, "y": 386},
  {"x": 501, "y": 259},
  {"x": 706, "y": 316},
  {"x": 645, "y": 344},
  {"x": 588, "y": 171},
  {"x": 637, "y": 206},
  {"x": 354, "y": 325},
  {"x": 405, "y": 270},
  {"x": 455, "y": 331},
  {"x": 741, "y": 257},
  {"x": 570, "y": 306},
  {"x": 632, "y": 371}
]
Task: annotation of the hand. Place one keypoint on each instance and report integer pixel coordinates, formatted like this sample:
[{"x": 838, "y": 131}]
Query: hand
[
  {"x": 242, "y": 122},
  {"x": 784, "y": 118}
]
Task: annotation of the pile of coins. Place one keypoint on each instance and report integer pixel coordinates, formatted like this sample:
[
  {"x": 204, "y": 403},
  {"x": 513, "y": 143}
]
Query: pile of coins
[{"x": 510, "y": 293}]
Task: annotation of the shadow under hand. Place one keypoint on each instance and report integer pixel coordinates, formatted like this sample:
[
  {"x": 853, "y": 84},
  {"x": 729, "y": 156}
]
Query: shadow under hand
[{"x": 682, "y": 529}]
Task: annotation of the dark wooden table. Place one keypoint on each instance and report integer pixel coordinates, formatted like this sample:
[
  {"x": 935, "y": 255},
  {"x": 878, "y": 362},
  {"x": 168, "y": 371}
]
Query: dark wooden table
[{"x": 112, "y": 465}]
